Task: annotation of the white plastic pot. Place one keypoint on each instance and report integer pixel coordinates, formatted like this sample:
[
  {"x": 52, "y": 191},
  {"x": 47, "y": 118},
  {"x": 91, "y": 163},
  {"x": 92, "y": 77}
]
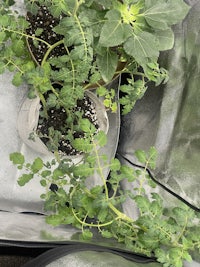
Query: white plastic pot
[{"x": 29, "y": 115}]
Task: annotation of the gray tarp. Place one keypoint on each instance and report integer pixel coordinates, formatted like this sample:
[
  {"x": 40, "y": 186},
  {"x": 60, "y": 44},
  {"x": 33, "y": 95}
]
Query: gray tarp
[{"x": 168, "y": 117}]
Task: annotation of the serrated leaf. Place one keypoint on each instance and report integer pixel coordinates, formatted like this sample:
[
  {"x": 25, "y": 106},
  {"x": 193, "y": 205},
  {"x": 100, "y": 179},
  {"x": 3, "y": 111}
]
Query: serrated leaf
[
  {"x": 83, "y": 170},
  {"x": 2, "y": 37},
  {"x": 5, "y": 20},
  {"x": 115, "y": 165},
  {"x": 101, "y": 138},
  {"x": 17, "y": 79},
  {"x": 102, "y": 215},
  {"x": 17, "y": 158},
  {"x": 106, "y": 234},
  {"x": 37, "y": 165},
  {"x": 43, "y": 183},
  {"x": 152, "y": 157},
  {"x": 128, "y": 173},
  {"x": 87, "y": 235},
  {"x": 38, "y": 31},
  {"x": 18, "y": 47},
  {"x": 83, "y": 145},
  {"x": 187, "y": 256},
  {"x": 101, "y": 91},
  {"x": 86, "y": 126},
  {"x": 54, "y": 220},
  {"x": 57, "y": 173},
  {"x": 45, "y": 173},
  {"x": 96, "y": 190},
  {"x": 141, "y": 155},
  {"x": 24, "y": 179},
  {"x": 143, "y": 203}
]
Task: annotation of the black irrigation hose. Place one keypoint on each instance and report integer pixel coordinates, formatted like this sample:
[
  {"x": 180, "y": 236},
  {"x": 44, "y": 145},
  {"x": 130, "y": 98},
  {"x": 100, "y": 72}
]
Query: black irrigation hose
[{"x": 159, "y": 183}]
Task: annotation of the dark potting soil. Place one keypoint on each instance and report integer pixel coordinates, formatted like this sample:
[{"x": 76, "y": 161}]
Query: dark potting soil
[
  {"x": 45, "y": 21},
  {"x": 56, "y": 120}
]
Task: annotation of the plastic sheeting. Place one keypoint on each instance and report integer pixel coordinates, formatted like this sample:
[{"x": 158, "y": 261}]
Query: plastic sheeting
[{"x": 168, "y": 117}]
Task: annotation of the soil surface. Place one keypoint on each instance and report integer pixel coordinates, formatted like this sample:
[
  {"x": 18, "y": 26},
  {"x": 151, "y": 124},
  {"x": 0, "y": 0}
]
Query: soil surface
[
  {"x": 44, "y": 21},
  {"x": 57, "y": 120}
]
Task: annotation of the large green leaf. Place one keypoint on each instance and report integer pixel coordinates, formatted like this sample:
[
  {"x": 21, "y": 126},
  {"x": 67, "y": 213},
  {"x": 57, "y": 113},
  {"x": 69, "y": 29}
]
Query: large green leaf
[
  {"x": 160, "y": 14},
  {"x": 107, "y": 64},
  {"x": 142, "y": 45},
  {"x": 114, "y": 32},
  {"x": 165, "y": 38}
]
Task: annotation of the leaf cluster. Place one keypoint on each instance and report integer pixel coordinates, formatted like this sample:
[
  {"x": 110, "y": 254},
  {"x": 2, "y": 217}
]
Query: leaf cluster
[
  {"x": 96, "y": 36},
  {"x": 169, "y": 234}
]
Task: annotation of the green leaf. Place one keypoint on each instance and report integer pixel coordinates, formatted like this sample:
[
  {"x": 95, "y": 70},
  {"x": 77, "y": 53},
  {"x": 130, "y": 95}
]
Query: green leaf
[
  {"x": 106, "y": 234},
  {"x": 115, "y": 165},
  {"x": 87, "y": 235},
  {"x": 128, "y": 173},
  {"x": 86, "y": 126},
  {"x": 165, "y": 39},
  {"x": 18, "y": 47},
  {"x": 52, "y": 101},
  {"x": 83, "y": 170},
  {"x": 17, "y": 79},
  {"x": 38, "y": 31},
  {"x": 5, "y": 20},
  {"x": 143, "y": 203},
  {"x": 102, "y": 215},
  {"x": 54, "y": 220},
  {"x": 142, "y": 46},
  {"x": 83, "y": 145},
  {"x": 37, "y": 165},
  {"x": 152, "y": 156},
  {"x": 24, "y": 179},
  {"x": 43, "y": 183},
  {"x": 17, "y": 158},
  {"x": 141, "y": 155},
  {"x": 101, "y": 138},
  {"x": 114, "y": 32},
  {"x": 187, "y": 256},
  {"x": 2, "y": 37},
  {"x": 107, "y": 64},
  {"x": 57, "y": 174},
  {"x": 101, "y": 91},
  {"x": 162, "y": 14}
]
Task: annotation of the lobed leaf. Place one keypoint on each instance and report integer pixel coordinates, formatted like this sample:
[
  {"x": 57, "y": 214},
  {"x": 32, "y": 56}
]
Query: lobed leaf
[
  {"x": 24, "y": 179},
  {"x": 37, "y": 165},
  {"x": 17, "y": 158}
]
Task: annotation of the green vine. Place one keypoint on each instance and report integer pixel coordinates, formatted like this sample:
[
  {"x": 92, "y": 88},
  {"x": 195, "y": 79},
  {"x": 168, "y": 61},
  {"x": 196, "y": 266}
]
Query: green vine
[{"x": 170, "y": 234}]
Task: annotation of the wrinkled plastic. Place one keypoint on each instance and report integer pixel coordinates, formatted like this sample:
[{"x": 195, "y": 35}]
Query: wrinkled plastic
[{"x": 168, "y": 117}]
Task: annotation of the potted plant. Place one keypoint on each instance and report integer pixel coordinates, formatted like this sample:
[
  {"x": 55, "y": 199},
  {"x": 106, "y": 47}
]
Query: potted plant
[
  {"x": 92, "y": 42},
  {"x": 55, "y": 110}
]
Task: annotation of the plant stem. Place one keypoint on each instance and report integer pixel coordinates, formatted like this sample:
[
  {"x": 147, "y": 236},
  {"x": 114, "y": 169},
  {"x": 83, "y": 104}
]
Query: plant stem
[
  {"x": 120, "y": 215},
  {"x": 91, "y": 224},
  {"x": 26, "y": 36},
  {"x": 50, "y": 49}
]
